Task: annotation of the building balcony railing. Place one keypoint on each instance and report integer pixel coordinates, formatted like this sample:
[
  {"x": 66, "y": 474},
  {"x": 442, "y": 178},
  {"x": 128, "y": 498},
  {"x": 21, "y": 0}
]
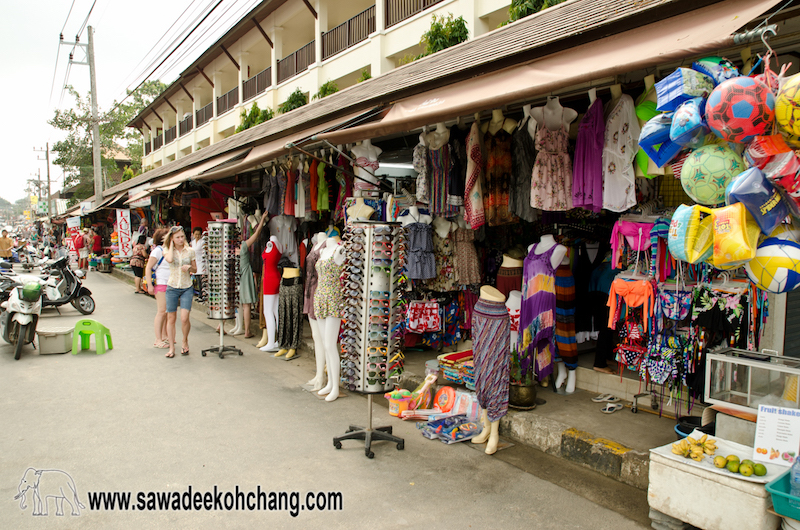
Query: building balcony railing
[
  {"x": 204, "y": 114},
  {"x": 296, "y": 62},
  {"x": 147, "y": 148},
  {"x": 158, "y": 141},
  {"x": 348, "y": 33},
  {"x": 399, "y": 10},
  {"x": 170, "y": 135},
  {"x": 256, "y": 84},
  {"x": 227, "y": 101},
  {"x": 184, "y": 126}
]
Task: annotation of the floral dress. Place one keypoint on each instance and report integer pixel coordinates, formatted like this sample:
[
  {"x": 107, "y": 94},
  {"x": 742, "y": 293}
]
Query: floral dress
[
  {"x": 468, "y": 270},
  {"x": 328, "y": 297},
  {"x": 551, "y": 181},
  {"x": 444, "y": 250}
]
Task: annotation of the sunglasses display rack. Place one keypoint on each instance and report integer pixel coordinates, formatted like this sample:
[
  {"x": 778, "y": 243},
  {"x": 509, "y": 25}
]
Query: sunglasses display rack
[
  {"x": 221, "y": 289},
  {"x": 372, "y": 282}
]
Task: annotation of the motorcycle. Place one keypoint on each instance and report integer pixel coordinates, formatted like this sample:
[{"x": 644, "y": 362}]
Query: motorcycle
[
  {"x": 61, "y": 286},
  {"x": 21, "y": 307}
]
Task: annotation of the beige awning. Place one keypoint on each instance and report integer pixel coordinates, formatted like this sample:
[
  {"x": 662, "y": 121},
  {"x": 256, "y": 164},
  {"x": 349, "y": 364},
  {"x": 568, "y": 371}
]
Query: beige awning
[
  {"x": 109, "y": 201},
  {"x": 140, "y": 195},
  {"x": 179, "y": 178},
  {"x": 699, "y": 32}
]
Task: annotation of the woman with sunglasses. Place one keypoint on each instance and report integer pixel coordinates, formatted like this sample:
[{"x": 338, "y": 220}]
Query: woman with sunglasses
[
  {"x": 180, "y": 291},
  {"x": 157, "y": 263}
]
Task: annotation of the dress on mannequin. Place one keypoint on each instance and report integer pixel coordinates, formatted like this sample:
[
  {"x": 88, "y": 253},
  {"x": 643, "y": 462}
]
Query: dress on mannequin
[
  {"x": 270, "y": 280},
  {"x": 443, "y": 250},
  {"x": 523, "y": 156},
  {"x": 458, "y": 149},
  {"x": 421, "y": 264},
  {"x": 420, "y": 161},
  {"x": 439, "y": 165},
  {"x": 308, "y": 308},
  {"x": 283, "y": 228},
  {"x": 497, "y": 179},
  {"x": 328, "y": 310},
  {"x": 467, "y": 266},
  {"x": 551, "y": 181}
]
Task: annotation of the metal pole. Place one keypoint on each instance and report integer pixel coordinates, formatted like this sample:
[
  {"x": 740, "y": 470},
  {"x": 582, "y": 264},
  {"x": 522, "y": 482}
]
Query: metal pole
[
  {"x": 47, "y": 157},
  {"x": 98, "y": 178}
]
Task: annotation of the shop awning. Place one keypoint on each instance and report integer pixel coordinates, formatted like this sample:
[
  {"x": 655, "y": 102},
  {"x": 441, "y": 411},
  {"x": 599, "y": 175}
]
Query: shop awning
[
  {"x": 108, "y": 201},
  {"x": 140, "y": 195},
  {"x": 699, "y": 32},
  {"x": 170, "y": 183}
]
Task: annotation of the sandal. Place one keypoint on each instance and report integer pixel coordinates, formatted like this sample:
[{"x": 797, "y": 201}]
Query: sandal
[
  {"x": 611, "y": 408},
  {"x": 250, "y": 336},
  {"x": 184, "y": 351},
  {"x": 605, "y": 398},
  {"x": 164, "y": 344},
  {"x": 170, "y": 354}
]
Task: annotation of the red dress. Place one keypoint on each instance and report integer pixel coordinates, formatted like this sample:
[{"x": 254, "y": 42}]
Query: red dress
[{"x": 271, "y": 278}]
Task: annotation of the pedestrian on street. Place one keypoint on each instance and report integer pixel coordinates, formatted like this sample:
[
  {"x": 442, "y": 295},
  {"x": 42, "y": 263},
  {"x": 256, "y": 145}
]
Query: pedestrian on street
[
  {"x": 6, "y": 244},
  {"x": 83, "y": 252},
  {"x": 138, "y": 261},
  {"x": 182, "y": 265},
  {"x": 97, "y": 243},
  {"x": 156, "y": 263}
]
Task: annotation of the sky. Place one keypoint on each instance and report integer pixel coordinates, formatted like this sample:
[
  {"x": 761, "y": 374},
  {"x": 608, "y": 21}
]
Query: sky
[{"x": 124, "y": 33}]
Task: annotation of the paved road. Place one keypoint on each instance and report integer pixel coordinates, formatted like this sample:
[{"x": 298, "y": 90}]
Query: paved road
[{"x": 132, "y": 420}]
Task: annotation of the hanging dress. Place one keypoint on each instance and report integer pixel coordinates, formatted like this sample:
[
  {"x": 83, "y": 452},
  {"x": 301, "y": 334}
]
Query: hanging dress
[
  {"x": 458, "y": 152},
  {"x": 538, "y": 313},
  {"x": 497, "y": 179},
  {"x": 587, "y": 179},
  {"x": 551, "y": 181},
  {"x": 420, "y": 161},
  {"x": 491, "y": 332},
  {"x": 566, "y": 345},
  {"x": 523, "y": 155},
  {"x": 421, "y": 265},
  {"x": 443, "y": 251},
  {"x": 619, "y": 150},
  {"x": 468, "y": 270},
  {"x": 439, "y": 166},
  {"x": 473, "y": 190}
]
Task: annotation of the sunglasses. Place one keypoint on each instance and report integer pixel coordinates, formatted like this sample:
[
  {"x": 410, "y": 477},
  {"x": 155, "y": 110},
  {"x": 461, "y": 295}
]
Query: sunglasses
[
  {"x": 376, "y": 381},
  {"x": 384, "y": 269},
  {"x": 355, "y": 230},
  {"x": 380, "y": 350},
  {"x": 379, "y": 303},
  {"x": 176, "y": 228},
  {"x": 379, "y": 294},
  {"x": 382, "y": 239},
  {"x": 382, "y": 245},
  {"x": 382, "y": 254}
]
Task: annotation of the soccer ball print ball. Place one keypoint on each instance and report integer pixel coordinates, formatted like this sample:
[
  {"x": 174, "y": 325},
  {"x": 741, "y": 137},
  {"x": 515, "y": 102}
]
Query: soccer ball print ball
[
  {"x": 707, "y": 172},
  {"x": 739, "y": 109},
  {"x": 787, "y": 109}
]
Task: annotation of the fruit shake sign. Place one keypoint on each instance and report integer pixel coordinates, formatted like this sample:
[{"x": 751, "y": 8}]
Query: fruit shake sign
[
  {"x": 124, "y": 233},
  {"x": 777, "y": 435}
]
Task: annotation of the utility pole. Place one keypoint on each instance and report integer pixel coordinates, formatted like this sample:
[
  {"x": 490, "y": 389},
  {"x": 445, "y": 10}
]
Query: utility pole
[
  {"x": 47, "y": 157},
  {"x": 89, "y": 49}
]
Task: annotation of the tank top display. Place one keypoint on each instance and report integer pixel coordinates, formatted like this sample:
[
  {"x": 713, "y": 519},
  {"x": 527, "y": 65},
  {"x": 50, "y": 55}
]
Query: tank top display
[
  {"x": 328, "y": 295},
  {"x": 523, "y": 155},
  {"x": 311, "y": 282},
  {"x": 551, "y": 181},
  {"x": 497, "y": 179},
  {"x": 439, "y": 166},
  {"x": 271, "y": 278},
  {"x": 587, "y": 181},
  {"x": 537, "y": 313}
]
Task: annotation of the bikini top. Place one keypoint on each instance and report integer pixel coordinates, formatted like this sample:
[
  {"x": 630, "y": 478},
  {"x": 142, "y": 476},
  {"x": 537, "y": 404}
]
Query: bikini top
[
  {"x": 637, "y": 236},
  {"x": 363, "y": 161}
]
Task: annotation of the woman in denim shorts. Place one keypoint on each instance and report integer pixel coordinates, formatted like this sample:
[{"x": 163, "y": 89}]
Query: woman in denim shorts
[{"x": 180, "y": 257}]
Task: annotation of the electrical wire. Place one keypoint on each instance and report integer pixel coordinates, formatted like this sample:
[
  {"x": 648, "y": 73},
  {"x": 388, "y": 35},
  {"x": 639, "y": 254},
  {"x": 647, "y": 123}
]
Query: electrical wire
[{"x": 58, "y": 51}]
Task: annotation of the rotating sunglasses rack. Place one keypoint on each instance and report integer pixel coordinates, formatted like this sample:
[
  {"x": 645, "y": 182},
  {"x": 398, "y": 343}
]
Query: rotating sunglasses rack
[
  {"x": 372, "y": 321},
  {"x": 221, "y": 289}
]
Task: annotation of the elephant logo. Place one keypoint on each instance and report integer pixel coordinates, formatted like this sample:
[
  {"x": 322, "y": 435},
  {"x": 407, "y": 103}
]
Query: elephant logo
[{"x": 46, "y": 484}]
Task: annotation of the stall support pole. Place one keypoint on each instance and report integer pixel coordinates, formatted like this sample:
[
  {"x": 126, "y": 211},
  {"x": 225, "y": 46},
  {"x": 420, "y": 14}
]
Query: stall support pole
[{"x": 369, "y": 434}]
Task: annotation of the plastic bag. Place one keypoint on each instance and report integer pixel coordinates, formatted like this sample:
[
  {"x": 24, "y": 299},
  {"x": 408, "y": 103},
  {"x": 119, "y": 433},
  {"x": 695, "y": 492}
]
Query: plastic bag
[
  {"x": 760, "y": 198},
  {"x": 691, "y": 237},
  {"x": 735, "y": 235},
  {"x": 688, "y": 127},
  {"x": 681, "y": 85},
  {"x": 654, "y": 140},
  {"x": 760, "y": 151}
]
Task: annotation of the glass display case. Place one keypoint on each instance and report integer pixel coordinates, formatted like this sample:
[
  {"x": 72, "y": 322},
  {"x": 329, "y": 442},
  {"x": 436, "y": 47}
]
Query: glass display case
[{"x": 743, "y": 380}]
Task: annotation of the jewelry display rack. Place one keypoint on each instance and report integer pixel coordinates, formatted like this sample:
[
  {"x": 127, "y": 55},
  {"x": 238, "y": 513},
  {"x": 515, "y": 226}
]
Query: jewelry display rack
[
  {"x": 222, "y": 285},
  {"x": 372, "y": 321}
]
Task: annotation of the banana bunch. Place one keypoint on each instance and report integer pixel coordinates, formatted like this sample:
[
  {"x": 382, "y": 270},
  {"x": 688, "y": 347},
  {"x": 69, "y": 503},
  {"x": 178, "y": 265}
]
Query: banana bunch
[
  {"x": 708, "y": 445},
  {"x": 695, "y": 449}
]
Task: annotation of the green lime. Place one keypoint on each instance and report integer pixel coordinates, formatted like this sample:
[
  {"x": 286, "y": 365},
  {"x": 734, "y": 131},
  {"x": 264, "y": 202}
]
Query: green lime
[{"x": 733, "y": 466}]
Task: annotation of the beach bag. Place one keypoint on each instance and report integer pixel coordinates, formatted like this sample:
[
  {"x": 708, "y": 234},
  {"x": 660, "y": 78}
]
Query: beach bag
[
  {"x": 691, "y": 237},
  {"x": 682, "y": 85},
  {"x": 735, "y": 236}
]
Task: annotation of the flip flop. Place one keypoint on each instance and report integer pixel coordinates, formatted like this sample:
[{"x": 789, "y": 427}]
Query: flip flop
[
  {"x": 169, "y": 355},
  {"x": 163, "y": 345},
  {"x": 605, "y": 398},
  {"x": 184, "y": 351},
  {"x": 611, "y": 408}
]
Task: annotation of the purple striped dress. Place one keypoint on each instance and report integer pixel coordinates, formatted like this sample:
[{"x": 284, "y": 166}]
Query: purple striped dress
[
  {"x": 537, "y": 314},
  {"x": 491, "y": 347}
]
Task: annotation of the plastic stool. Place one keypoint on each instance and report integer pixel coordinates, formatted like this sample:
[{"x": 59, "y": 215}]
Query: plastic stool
[{"x": 84, "y": 329}]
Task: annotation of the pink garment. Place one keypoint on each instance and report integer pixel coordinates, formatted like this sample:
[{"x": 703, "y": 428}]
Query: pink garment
[
  {"x": 372, "y": 166},
  {"x": 363, "y": 161},
  {"x": 637, "y": 235},
  {"x": 551, "y": 181}
]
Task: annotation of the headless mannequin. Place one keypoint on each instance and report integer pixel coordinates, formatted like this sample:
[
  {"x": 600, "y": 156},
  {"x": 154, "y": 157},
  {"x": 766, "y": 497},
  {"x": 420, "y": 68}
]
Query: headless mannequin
[
  {"x": 329, "y": 327},
  {"x": 371, "y": 153},
  {"x": 553, "y": 116},
  {"x": 511, "y": 263},
  {"x": 288, "y": 273},
  {"x": 491, "y": 429},
  {"x": 559, "y": 255},
  {"x": 360, "y": 210},
  {"x": 316, "y": 332},
  {"x": 616, "y": 93},
  {"x": 271, "y": 306},
  {"x": 443, "y": 227},
  {"x": 498, "y": 121},
  {"x": 531, "y": 121},
  {"x": 414, "y": 216},
  {"x": 438, "y": 138}
]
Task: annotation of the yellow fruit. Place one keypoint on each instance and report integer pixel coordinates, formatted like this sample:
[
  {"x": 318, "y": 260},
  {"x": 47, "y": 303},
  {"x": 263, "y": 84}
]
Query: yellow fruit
[
  {"x": 703, "y": 439},
  {"x": 733, "y": 466},
  {"x": 691, "y": 440},
  {"x": 720, "y": 461},
  {"x": 760, "y": 470},
  {"x": 697, "y": 457},
  {"x": 746, "y": 470},
  {"x": 750, "y": 462},
  {"x": 732, "y": 458}
]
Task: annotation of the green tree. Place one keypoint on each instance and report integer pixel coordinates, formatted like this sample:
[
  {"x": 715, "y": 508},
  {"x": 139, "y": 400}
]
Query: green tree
[
  {"x": 364, "y": 76},
  {"x": 327, "y": 88},
  {"x": 523, "y": 8},
  {"x": 74, "y": 151},
  {"x": 295, "y": 100},
  {"x": 443, "y": 33},
  {"x": 255, "y": 117}
]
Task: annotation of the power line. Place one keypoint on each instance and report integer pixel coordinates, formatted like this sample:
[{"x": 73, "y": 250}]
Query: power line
[
  {"x": 58, "y": 51},
  {"x": 68, "y": 14}
]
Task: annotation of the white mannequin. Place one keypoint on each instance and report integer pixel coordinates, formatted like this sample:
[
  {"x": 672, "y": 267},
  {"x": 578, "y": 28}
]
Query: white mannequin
[
  {"x": 491, "y": 430},
  {"x": 371, "y": 153},
  {"x": 360, "y": 211},
  {"x": 511, "y": 263},
  {"x": 437, "y": 138},
  {"x": 531, "y": 122},
  {"x": 317, "y": 381},
  {"x": 514, "y": 303},
  {"x": 498, "y": 121},
  {"x": 592, "y": 95},
  {"x": 553, "y": 115},
  {"x": 271, "y": 306},
  {"x": 443, "y": 227},
  {"x": 414, "y": 217},
  {"x": 330, "y": 330}
]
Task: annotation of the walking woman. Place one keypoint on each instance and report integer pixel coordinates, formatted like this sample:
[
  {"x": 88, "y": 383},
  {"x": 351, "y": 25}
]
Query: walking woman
[
  {"x": 138, "y": 261},
  {"x": 182, "y": 265},
  {"x": 157, "y": 263}
]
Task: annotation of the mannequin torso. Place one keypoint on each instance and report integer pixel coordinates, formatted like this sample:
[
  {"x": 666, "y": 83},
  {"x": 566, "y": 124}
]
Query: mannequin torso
[
  {"x": 360, "y": 210},
  {"x": 511, "y": 263},
  {"x": 553, "y": 116},
  {"x": 491, "y": 294},
  {"x": 414, "y": 216},
  {"x": 333, "y": 249},
  {"x": 366, "y": 162},
  {"x": 438, "y": 138},
  {"x": 498, "y": 121},
  {"x": 546, "y": 243},
  {"x": 442, "y": 226}
]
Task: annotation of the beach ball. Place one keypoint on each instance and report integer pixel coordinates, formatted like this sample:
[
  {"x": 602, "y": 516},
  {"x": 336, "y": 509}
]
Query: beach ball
[
  {"x": 787, "y": 108},
  {"x": 688, "y": 128},
  {"x": 707, "y": 171},
  {"x": 776, "y": 267},
  {"x": 719, "y": 69},
  {"x": 739, "y": 109},
  {"x": 787, "y": 232}
]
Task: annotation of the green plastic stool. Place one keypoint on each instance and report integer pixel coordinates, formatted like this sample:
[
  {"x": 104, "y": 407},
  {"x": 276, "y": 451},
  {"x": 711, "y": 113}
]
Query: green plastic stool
[{"x": 84, "y": 329}]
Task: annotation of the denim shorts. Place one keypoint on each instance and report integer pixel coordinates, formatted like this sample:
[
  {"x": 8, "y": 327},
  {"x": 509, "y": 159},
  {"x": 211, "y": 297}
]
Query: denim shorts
[{"x": 182, "y": 297}]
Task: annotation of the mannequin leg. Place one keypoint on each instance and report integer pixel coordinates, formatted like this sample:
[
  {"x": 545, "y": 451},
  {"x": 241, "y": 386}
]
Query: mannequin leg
[
  {"x": 238, "y": 329},
  {"x": 487, "y": 428},
  {"x": 319, "y": 353},
  {"x": 331, "y": 336},
  {"x": 571, "y": 377},
  {"x": 264, "y": 338},
  {"x": 562, "y": 374},
  {"x": 494, "y": 438},
  {"x": 271, "y": 316}
]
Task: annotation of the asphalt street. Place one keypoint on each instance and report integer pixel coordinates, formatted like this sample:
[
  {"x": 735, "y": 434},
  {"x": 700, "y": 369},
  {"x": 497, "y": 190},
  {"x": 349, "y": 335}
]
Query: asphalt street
[{"x": 134, "y": 421}]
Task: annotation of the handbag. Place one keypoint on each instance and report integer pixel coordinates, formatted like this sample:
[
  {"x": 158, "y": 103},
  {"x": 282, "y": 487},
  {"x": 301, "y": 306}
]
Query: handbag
[{"x": 153, "y": 272}]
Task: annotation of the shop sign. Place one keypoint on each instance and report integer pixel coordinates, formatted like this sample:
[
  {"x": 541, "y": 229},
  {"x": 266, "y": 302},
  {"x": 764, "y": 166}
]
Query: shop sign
[
  {"x": 86, "y": 207},
  {"x": 141, "y": 203},
  {"x": 73, "y": 227},
  {"x": 124, "y": 233},
  {"x": 777, "y": 435}
]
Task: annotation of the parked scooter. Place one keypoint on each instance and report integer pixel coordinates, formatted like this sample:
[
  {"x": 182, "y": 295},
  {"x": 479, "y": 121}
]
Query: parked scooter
[
  {"x": 21, "y": 307},
  {"x": 61, "y": 285}
]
